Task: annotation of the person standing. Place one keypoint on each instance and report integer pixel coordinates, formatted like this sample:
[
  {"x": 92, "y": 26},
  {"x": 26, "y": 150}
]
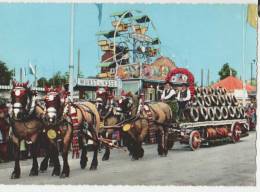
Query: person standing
[
  {"x": 183, "y": 98},
  {"x": 168, "y": 92}
]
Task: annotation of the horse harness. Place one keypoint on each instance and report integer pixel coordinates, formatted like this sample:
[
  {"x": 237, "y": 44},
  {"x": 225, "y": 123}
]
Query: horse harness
[{"x": 72, "y": 119}]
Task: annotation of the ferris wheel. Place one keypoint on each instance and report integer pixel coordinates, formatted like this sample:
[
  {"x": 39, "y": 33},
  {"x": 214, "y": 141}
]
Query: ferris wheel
[{"x": 133, "y": 40}]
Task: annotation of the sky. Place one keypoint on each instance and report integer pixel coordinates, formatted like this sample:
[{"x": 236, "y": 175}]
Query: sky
[{"x": 193, "y": 36}]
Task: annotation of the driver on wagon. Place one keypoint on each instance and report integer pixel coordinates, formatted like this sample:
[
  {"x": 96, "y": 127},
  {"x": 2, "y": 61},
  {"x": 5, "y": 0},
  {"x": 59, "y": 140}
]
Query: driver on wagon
[
  {"x": 168, "y": 92},
  {"x": 183, "y": 98}
]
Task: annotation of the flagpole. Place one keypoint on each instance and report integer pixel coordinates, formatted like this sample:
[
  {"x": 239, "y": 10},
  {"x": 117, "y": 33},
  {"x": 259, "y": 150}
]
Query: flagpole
[
  {"x": 243, "y": 55},
  {"x": 35, "y": 77},
  {"x": 71, "y": 65},
  {"x": 21, "y": 74}
]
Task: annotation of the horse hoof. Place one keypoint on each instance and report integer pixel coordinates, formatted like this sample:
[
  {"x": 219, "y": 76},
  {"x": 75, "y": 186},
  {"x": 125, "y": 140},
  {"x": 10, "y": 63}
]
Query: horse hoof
[
  {"x": 83, "y": 164},
  {"x": 34, "y": 172},
  {"x": 141, "y": 153},
  {"x": 93, "y": 167},
  {"x": 105, "y": 158},
  {"x": 15, "y": 175},
  {"x": 64, "y": 175},
  {"x": 134, "y": 158},
  {"x": 56, "y": 172},
  {"x": 43, "y": 167}
]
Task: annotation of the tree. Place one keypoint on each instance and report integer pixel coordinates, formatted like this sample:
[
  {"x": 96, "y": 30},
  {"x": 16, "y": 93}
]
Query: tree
[
  {"x": 42, "y": 82},
  {"x": 226, "y": 71},
  {"x": 5, "y": 74},
  {"x": 58, "y": 79}
]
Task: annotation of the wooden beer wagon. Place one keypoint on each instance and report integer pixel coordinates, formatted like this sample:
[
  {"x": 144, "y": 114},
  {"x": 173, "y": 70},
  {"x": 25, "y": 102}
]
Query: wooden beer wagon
[{"x": 213, "y": 115}]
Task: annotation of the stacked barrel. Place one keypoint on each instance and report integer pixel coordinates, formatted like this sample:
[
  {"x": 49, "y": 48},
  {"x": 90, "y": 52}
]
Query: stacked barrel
[{"x": 214, "y": 104}]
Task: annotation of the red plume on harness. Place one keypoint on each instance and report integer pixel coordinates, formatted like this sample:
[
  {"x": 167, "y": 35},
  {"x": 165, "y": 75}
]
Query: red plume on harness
[
  {"x": 101, "y": 92},
  {"x": 123, "y": 93},
  {"x": 111, "y": 95},
  {"x": 58, "y": 89},
  {"x": 47, "y": 88},
  {"x": 106, "y": 88},
  {"x": 18, "y": 84}
]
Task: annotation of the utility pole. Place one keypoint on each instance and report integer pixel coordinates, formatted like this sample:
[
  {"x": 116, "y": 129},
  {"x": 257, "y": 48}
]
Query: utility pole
[
  {"x": 21, "y": 74},
  {"x": 71, "y": 65},
  {"x": 252, "y": 63},
  {"x": 35, "y": 77},
  {"x": 78, "y": 63},
  {"x": 201, "y": 83},
  {"x": 208, "y": 78}
]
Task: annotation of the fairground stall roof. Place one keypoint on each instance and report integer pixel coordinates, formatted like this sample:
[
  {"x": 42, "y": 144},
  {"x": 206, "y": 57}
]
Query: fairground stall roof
[{"x": 232, "y": 83}]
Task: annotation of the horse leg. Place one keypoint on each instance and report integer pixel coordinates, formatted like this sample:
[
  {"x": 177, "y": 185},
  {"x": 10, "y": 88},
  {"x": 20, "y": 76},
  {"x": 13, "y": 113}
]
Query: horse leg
[
  {"x": 54, "y": 156},
  {"x": 136, "y": 150},
  {"x": 43, "y": 144},
  {"x": 66, "y": 143},
  {"x": 66, "y": 169},
  {"x": 44, "y": 163},
  {"x": 16, "y": 153},
  {"x": 83, "y": 157},
  {"x": 34, "y": 170},
  {"x": 134, "y": 146},
  {"x": 165, "y": 143},
  {"x": 160, "y": 140},
  {"x": 94, "y": 162},
  {"x": 107, "y": 149},
  {"x": 96, "y": 144}
]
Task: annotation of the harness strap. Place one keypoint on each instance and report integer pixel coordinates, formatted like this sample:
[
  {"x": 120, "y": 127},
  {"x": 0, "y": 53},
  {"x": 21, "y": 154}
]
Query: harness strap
[
  {"x": 75, "y": 130},
  {"x": 151, "y": 130}
]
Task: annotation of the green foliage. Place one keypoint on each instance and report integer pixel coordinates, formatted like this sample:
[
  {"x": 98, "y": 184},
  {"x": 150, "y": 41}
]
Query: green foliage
[
  {"x": 226, "y": 71},
  {"x": 58, "y": 79},
  {"x": 42, "y": 82},
  {"x": 5, "y": 74}
]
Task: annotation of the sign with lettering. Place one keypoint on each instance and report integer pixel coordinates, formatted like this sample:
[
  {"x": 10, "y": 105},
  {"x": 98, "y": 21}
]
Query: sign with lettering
[{"x": 97, "y": 82}]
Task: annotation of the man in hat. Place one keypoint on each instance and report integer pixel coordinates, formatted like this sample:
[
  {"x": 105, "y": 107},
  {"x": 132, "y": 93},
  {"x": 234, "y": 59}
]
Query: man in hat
[
  {"x": 183, "y": 98},
  {"x": 168, "y": 92}
]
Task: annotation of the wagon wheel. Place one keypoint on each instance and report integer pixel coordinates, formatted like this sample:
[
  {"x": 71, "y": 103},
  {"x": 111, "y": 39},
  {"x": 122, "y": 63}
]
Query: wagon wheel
[
  {"x": 195, "y": 140},
  {"x": 236, "y": 133}
]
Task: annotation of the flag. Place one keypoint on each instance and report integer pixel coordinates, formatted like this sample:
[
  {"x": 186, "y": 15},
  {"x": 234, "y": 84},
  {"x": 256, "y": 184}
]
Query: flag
[
  {"x": 252, "y": 15},
  {"x": 31, "y": 69},
  {"x": 99, "y": 7}
]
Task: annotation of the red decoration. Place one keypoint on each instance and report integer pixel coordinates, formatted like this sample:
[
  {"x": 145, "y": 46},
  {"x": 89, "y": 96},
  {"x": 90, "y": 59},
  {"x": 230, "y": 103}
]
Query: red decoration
[
  {"x": 185, "y": 72},
  {"x": 17, "y": 84}
]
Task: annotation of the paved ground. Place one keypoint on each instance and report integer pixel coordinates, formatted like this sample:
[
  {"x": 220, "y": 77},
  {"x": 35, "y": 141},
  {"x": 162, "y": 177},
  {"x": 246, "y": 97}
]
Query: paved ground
[{"x": 229, "y": 165}]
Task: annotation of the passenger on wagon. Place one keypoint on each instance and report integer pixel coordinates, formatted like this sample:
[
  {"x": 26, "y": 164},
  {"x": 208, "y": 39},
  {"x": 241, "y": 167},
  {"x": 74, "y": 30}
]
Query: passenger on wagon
[
  {"x": 183, "y": 98},
  {"x": 168, "y": 92}
]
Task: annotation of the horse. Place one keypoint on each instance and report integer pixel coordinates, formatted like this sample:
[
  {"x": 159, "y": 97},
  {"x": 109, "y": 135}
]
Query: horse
[
  {"x": 26, "y": 124},
  {"x": 71, "y": 123},
  {"x": 4, "y": 130},
  {"x": 109, "y": 116},
  {"x": 142, "y": 117}
]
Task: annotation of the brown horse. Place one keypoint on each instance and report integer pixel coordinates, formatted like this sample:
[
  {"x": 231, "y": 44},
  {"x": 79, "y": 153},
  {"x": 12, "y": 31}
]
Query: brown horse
[
  {"x": 25, "y": 124},
  {"x": 72, "y": 123},
  {"x": 141, "y": 117},
  {"x": 109, "y": 116},
  {"x": 4, "y": 130}
]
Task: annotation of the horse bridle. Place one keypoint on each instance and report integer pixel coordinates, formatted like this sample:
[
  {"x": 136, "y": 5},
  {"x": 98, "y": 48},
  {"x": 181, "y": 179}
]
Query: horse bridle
[{"x": 30, "y": 103}]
